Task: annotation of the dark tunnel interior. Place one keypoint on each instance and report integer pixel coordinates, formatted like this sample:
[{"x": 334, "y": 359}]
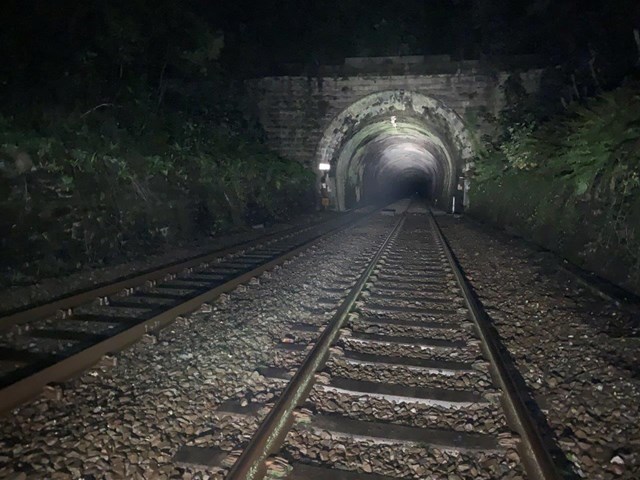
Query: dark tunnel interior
[
  {"x": 394, "y": 144},
  {"x": 393, "y": 159},
  {"x": 410, "y": 182}
]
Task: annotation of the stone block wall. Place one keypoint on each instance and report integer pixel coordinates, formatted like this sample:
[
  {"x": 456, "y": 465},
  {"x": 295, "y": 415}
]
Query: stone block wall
[{"x": 295, "y": 110}]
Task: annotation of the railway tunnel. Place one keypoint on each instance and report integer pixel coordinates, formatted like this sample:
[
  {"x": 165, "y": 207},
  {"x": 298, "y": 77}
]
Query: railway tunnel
[
  {"x": 392, "y": 144},
  {"x": 175, "y": 302}
]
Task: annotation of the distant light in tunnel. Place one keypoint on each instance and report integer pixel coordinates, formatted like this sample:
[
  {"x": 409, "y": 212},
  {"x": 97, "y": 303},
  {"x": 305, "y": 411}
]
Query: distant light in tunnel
[
  {"x": 324, "y": 167},
  {"x": 407, "y": 148}
]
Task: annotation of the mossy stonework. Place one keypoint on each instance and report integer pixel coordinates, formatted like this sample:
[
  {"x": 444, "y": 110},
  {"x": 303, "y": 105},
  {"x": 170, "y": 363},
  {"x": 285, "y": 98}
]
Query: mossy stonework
[
  {"x": 418, "y": 119},
  {"x": 371, "y": 127}
]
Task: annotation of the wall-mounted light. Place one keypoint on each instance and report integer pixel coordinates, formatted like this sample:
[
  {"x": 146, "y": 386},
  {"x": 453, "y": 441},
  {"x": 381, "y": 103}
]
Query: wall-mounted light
[{"x": 324, "y": 167}]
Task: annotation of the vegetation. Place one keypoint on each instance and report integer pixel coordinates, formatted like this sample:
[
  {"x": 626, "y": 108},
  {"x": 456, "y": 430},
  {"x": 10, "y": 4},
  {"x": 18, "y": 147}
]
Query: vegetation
[
  {"x": 123, "y": 136},
  {"x": 81, "y": 193},
  {"x": 572, "y": 182},
  {"x": 123, "y": 125}
]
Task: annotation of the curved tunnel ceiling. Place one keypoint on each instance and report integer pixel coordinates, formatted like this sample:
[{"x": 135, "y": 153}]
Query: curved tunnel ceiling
[
  {"x": 394, "y": 136},
  {"x": 396, "y": 155},
  {"x": 391, "y": 149}
]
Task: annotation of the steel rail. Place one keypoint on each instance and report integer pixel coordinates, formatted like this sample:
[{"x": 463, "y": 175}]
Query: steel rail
[
  {"x": 537, "y": 460},
  {"x": 69, "y": 301},
  {"x": 271, "y": 432},
  {"x": 26, "y": 388}
]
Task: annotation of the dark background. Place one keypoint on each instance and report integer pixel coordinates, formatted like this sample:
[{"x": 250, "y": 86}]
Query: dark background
[{"x": 114, "y": 40}]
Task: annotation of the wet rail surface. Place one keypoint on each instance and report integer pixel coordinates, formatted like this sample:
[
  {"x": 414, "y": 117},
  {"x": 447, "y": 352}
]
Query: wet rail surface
[
  {"x": 49, "y": 342},
  {"x": 403, "y": 381}
]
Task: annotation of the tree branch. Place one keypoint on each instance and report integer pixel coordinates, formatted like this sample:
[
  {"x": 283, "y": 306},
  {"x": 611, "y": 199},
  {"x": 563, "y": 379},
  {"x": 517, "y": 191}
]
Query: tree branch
[{"x": 96, "y": 108}]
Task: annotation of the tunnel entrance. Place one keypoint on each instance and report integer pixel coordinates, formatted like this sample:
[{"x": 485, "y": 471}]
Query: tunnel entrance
[
  {"x": 393, "y": 144},
  {"x": 386, "y": 188}
]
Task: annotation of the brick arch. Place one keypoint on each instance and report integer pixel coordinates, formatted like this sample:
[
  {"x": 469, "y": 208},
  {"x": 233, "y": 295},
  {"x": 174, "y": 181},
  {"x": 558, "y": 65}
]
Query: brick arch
[{"x": 428, "y": 122}]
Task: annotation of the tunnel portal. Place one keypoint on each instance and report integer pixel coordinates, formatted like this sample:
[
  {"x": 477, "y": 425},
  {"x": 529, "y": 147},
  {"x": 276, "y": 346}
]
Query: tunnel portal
[
  {"x": 382, "y": 131},
  {"x": 392, "y": 144}
]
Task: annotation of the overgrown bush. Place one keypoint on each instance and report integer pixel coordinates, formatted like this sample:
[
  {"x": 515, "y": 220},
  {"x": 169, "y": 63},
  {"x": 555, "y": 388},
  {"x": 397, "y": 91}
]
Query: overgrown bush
[
  {"x": 124, "y": 135},
  {"x": 571, "y": 183},
  {"x": 88, "y": 190}
]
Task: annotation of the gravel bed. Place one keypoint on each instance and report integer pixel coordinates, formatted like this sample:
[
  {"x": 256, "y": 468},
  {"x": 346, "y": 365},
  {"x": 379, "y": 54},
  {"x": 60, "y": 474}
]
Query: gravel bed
[
  {"x": 466, "y": 354},
  {"x": 433, "y": 306},
  {"x": 578, "y": 354},
  {"x": 377, "y": 309},
  {"x": 417, "y": 458},
  {"x": 480, "y": 417},
  {"x": 414, "y": 377},
  {"x": 127, "y": 417},
  {"x": 300, "y": 337},
  {"x": 232, "y": 432},
  {"x": 407, "y": 461},
  {"x": 455, "y": 319},
  {"x": 460, "y": 334},
  {"x": 286, "y": 359},
  {"x": 438, "y": 296}
]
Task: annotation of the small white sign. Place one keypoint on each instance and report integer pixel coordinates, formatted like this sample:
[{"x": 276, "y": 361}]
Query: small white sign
[{"x": 324, "y": 166}]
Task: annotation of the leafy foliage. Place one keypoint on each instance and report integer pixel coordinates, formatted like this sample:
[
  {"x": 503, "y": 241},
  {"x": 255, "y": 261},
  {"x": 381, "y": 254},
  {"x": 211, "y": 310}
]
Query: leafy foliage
[
  {"x": 76, "y": 194},
  {"x": 107, "y": 147},
  {"x": 572, "y": 183}
]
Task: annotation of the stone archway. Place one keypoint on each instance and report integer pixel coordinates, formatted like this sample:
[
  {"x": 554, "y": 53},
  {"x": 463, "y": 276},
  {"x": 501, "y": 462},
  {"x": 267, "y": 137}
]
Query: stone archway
[{"x": 393, "y": 136}]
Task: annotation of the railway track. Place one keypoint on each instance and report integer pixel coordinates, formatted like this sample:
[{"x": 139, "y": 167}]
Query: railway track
[
  {"x": 50, "y": 342},
  {"x": 405, "y": 380}
]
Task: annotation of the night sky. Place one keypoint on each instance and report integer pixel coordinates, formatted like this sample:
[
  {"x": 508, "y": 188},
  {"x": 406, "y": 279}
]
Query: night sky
[{"x": 42, "y": 39}]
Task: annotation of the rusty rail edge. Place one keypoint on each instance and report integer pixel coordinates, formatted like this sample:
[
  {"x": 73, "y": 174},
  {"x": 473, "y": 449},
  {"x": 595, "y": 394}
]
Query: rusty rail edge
[
  {"x": 537, "y": 460},
  {"x": 272, "y": 431},
  {"x": 68, "y": 301},
  {"x": 29, "y": 387}
]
